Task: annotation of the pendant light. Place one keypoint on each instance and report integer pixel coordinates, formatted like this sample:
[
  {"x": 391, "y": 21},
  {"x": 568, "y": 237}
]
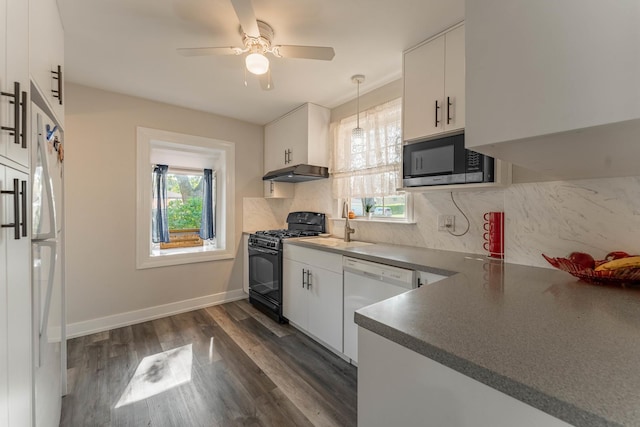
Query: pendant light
[{"x": 357, "y": 135}]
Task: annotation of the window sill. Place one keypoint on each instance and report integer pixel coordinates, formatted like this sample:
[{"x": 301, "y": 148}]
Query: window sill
[
  {"x": 178, "y": 256},
  {"x": 377, "y": 220}
]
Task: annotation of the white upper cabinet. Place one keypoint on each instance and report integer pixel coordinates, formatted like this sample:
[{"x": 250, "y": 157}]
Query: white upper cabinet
[
  {"x": 299, "y": 137},
  {"x": 278, "y": 190},
  {"x": 14, "y": 81},
  {"x": 554, "y": 86},
  {"x": 46, "y": 53},
  {"x": 434, "y": 92}
]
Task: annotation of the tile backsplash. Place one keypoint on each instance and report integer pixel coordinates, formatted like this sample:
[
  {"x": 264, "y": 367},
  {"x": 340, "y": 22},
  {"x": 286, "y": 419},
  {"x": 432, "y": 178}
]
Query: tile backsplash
[{"x": 555, "y": 218}]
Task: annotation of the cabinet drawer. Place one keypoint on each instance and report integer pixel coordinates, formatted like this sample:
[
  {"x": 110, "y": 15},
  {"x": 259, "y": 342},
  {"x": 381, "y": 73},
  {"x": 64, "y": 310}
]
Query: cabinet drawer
[{"x": 328, "y": 261}]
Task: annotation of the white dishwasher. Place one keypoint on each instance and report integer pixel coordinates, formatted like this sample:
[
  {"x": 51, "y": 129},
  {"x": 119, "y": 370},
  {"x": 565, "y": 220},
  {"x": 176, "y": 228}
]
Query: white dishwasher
[{"x": 366, "y": 283}]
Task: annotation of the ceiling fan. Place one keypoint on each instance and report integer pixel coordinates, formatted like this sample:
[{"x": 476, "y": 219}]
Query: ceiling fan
[{"x": 257, "y": 41}]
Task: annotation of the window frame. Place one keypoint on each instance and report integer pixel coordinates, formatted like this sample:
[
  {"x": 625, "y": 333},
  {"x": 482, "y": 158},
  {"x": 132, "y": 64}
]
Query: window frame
[
  {"x": 338, "y": 132},
  {"x": 149, "y": 139}
]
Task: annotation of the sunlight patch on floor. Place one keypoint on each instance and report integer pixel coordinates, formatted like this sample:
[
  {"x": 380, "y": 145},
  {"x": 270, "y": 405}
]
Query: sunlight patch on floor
[{"x": 158, "y": 373}]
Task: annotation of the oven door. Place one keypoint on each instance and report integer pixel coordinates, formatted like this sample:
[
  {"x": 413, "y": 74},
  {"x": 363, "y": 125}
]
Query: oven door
[{"x": 265, "y": 273}]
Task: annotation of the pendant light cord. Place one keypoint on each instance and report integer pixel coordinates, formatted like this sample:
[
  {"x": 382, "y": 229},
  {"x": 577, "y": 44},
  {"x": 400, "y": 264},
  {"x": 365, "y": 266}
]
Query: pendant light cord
[{"x": 358, "y": 105}]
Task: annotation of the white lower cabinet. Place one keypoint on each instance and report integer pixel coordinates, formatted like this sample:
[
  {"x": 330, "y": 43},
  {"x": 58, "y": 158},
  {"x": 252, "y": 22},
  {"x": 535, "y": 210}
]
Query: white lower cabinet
[
  {"x": 312, "y": 293},
  {"x": 399, "y": 387},
  {"x": 15, "y": 302}
]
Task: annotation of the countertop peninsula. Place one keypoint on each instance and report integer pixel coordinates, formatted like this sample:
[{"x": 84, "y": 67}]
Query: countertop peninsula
[{"x": 539, "y": 335}]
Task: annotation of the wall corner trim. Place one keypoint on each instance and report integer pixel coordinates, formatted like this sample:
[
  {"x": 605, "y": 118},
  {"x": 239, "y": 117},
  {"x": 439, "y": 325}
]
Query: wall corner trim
[{"x": 100, "y": 324}]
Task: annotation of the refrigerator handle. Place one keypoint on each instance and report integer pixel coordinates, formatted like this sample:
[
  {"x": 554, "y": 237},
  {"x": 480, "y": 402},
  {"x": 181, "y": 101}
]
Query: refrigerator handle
[
  {"x": 25, "y": 107},
  {"x": 23, "y": 193}
]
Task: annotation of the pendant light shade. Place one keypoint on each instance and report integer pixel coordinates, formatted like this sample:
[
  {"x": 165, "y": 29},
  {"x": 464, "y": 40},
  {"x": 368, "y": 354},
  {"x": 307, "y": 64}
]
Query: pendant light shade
[
  {"x": 257, "y": 63},
  {"x": 357, "y": 135}
]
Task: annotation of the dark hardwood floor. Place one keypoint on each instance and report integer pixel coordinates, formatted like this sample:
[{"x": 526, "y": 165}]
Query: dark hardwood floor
[{"x": 227, "y": 365}]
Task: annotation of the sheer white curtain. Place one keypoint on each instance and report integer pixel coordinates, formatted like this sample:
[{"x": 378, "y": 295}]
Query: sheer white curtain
[{"x": 373, "y": 167}]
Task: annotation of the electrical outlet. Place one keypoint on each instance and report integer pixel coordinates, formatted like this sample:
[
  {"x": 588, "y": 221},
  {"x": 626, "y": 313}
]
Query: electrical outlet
[{"x": 446, "y": 222}]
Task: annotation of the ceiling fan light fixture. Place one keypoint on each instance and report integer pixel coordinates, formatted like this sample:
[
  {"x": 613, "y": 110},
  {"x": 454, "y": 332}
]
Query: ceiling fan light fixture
[
  {"x": 257, "y": 63},
  {"x": 357, "y": 135}
]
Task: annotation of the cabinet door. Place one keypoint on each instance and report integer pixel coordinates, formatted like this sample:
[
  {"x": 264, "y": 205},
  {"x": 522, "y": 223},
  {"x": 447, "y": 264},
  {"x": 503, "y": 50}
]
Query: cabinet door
[
  {"x": 325, "y": 306},
  {"x": 553, "y": 75},
  {"x": 278, "y": 190},
  {"x": 317, "y": 147},
  {"x": 5, "y": 138},
  {"x": 275, "y": 146},
  {"x": 46, "y": 51},
  {"x": 423, "y": 88},
  {"x": 5, "y": 235},
  {"x": 17, "y": 70},
  {"x": 297, "y": 128},
  {"x": 18, "y": 314},
  {"x": 454, "y": 80},
  {"x": 295, "y": 294}
]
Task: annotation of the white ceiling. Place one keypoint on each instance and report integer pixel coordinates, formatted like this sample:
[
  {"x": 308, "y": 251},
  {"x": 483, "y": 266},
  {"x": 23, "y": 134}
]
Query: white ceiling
[{"x": 129, "y": 46}]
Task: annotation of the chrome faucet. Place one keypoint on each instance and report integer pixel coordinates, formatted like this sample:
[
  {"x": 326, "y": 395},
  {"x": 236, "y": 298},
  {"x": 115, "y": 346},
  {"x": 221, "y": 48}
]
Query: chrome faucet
[{"x": 348, "y": 231}]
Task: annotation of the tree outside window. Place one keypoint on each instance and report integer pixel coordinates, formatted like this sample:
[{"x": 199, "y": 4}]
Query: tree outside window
[{"x": 184, "y": 206}]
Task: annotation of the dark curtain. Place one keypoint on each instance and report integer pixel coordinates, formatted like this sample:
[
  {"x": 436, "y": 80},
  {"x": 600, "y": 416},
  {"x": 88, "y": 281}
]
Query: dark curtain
[
  {"x": 208, "y": 225},
  {"x": 159, "y": 224}
]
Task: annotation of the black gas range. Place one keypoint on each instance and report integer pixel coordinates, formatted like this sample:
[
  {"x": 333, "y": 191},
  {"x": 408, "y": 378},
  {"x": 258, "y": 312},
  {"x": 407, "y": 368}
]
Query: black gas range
[{"x": 265, "y": 260}]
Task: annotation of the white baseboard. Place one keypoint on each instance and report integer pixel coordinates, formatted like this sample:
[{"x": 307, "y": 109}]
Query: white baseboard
[{"x": 119, "y": 320}]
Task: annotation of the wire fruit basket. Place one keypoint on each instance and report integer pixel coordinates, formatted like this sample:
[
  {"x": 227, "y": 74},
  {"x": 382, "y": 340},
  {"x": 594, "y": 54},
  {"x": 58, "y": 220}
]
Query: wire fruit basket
[{"x": 625, "y": 277}]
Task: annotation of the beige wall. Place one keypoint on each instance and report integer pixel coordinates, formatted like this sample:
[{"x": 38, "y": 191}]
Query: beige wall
[{"x": 100, "y": 203}]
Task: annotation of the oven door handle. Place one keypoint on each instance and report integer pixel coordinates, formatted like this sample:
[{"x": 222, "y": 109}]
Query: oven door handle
[{"x": 263, "y": 251}]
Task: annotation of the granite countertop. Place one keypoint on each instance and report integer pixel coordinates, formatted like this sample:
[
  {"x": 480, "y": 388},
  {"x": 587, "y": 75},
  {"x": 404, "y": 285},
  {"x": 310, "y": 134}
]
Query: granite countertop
[{"x": 560, "y": 345}]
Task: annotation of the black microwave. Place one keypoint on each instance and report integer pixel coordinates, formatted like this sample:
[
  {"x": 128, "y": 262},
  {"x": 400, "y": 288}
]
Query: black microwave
[{"x": 444, "y": 161}]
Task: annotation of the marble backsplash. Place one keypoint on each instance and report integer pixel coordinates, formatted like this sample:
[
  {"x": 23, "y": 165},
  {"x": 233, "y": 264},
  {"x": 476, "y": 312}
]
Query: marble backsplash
[
  {"x": 596, "y": 216},
  {"x": 555, "y": 218}
]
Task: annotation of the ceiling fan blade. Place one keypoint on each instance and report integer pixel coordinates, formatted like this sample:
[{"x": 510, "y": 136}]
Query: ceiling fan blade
[
  {"x": 306, "y": 52},
  {"x": 246, "y": 16},
  {"x": 205, "y": 51},
  {"x": 265, "y": 81}
]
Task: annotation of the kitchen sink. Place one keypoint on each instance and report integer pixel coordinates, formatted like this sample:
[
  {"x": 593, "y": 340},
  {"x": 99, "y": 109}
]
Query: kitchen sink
[{"x": 335, "y": 242}]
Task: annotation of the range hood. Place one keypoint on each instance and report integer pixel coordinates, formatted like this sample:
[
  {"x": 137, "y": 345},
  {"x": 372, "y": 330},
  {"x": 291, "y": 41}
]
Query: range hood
[{"x": 298, "y": 173}]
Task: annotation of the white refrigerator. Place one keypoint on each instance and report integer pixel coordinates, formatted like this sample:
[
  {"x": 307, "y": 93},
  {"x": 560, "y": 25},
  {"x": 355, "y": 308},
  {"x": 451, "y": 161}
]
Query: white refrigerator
[{"x": 49, "y": 337}]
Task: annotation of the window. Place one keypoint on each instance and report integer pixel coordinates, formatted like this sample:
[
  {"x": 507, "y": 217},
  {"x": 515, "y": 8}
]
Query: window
[
  {"x": 184, "y": 199},
  {"x": 367, "y": 173},
  {"x": 186, "y": 205},
  {"x": 196, "y": 177}
]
